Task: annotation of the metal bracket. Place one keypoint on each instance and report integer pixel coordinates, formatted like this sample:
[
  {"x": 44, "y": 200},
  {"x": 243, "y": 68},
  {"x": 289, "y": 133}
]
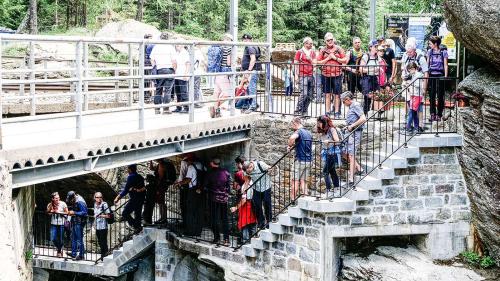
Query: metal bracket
[{"x": 91, "y": 163}]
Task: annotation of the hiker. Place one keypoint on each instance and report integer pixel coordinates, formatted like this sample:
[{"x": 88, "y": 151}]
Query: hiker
[
  {"x": 382, "y": 78},
  {"x": 181, "y": 83},
  {"x": 241, "y": 91},
  {"x": 77, "y": 209},
  {"x": 163, "y": 58},
  {"x": 389, "y": 58},
  {"x": 258, "y": 170},
  {"x": 370, "y": 68},
  {"x": 102, "y": 212},
  {"x": 164, "y": 177},
  {"x": 219, "y": 60},
  {"x": 415, "y": 98},
  {"x": 250, "y": 62},
  {"x": 438, "y": 68},
  {"x": 57, "y": 210},
  {"x": 246, "y": 216},
  {"x": 304, "y": 60},
  {"x": 330, "y": 139},
  {"x": 332, "y": 56},
  {"x": 353, "y": 75},
  {"x": 301, "y": 139},
  {"x": 136, "y": 189}
]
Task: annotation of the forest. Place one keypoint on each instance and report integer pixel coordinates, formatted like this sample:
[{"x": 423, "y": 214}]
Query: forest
[{"x": 292, "y": 19}]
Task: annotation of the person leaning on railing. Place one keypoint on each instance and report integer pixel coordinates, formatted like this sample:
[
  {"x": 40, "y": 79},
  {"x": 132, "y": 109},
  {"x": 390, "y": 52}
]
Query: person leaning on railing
[
  {"x": 78, "y": 212},
  {"x": 102, "y": 213},
  {"x": 301, "y": 139},
  {"x": 257, "y": 171},
  {"x": 246, "y": 215},
  {"x": 58, "y": 211},
  {"x": 354, "y": 120}
]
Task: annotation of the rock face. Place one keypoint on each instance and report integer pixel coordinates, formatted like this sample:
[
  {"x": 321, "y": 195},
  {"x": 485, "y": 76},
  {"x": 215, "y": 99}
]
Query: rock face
[
  {"x": 476, "y": 24},
  {"x": 403, "y": 264},
  {"x": 480, "y": 154}
]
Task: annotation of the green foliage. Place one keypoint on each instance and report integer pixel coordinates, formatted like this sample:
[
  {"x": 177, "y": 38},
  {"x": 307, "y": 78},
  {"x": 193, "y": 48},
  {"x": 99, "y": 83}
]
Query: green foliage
[
  {"x": 28, "y": 255},
  {"x": 487, "y": 262},
  {"x": 476, "y": 260},
  {"x": 15, "y": 50},
  {"x": 12, "y": 12}
]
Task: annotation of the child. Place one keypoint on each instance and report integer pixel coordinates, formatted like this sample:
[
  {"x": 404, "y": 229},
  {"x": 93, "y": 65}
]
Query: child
[
  {"x": 246, "y": 217},
  {"x": 287, "y": 75},
  {"x": 241, "y": 90},
  {"x": 415, "y": 98}
]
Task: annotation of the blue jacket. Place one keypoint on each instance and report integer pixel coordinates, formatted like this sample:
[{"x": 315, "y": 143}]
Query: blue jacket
[{"x": 134, "y": 180}]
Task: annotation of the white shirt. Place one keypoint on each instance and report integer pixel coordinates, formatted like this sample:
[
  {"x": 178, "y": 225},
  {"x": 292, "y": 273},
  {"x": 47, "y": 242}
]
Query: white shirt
[
  {"x": 191, "y": 173},
  {"x": 163, "y": 56},
  {"x": 58, "y": 219},
  {"x": 199, "y": 68},
  {"x": 182, "y": 58}
]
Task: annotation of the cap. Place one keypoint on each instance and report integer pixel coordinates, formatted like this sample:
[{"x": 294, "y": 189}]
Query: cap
[
  {"x": 70, "y": 195},
  {"x": 132, "y": 167},
  {"x": 380, "y": 48},
  {"x": 148, "y": 36},
  {"x": 246, "y": 36},
  {"x": 373, "y": 43},
  {"x": 381, "y": 38},
  {"x": 346, "y": 95},
  {"x": 216, "y": 161}
]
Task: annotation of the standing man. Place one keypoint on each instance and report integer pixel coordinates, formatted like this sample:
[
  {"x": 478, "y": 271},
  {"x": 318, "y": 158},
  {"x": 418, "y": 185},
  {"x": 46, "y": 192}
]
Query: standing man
[
  {"x": 301, "y": 139},
  {"x": 304, "y": 60},
  {"x": 78, "y": 212},
  {"x": 390, "y": 59},
  {"x": 353, "y": 74},
  {"x": 137, "y": 191},
  {"x": 251, "y": 55},
  {"x": 218, "y": 184},
  {"x": 163, "y": 59},
  {"x": 333, "y": 57},
  {"x": 181, "y": 83},
  {"x": 102, "y": 212},
  {"x": 257, "y": 170}
]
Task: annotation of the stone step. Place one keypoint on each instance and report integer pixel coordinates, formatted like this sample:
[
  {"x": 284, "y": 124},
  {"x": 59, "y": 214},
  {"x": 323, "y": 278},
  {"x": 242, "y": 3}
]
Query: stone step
[
  {"x": 276, "y": 228},
  {"x": 336, "y": 205},
  {"x": 296, "y": 212},
  {"x": 359, "y": 194},
  {"x": 393, "y": 161},
  {"x": 383, "y": 173},
  {"x": 267, "y": 236},
  {"x": 259, "y": 244},
  {"x": 118, "y": 252},
  {"x": 410, "y": 151},
  {"x": 370, "y": 183},
  {"x": 108, "y": 259},
  {"x": 248, "y": 251},
  {"x": 286, "y": 220},
  {"x": 442, "y": 140},
  {"x": 128, "y": 245}
]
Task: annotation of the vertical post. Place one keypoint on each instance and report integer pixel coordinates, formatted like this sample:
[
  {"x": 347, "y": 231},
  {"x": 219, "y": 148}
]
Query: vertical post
[
  {"x": 22, "y": 76},
  {"x": 1, "y": 95},
  {"x": 78, "y": 98},
  {"x": 191, "y": 83},
  {"x": 141, "y": 85},
  {"x": 86, "y": 96},
  {"x": 373, "y": 7},
  {"x": 117, "y": 83},
  {"x": 234, "y": 49},
  {"x": 130, "y": 73},
  {"x": 269, "y": 77},
  {"x": 31, "y": 65},
  {"x": 45, "y": 75}
]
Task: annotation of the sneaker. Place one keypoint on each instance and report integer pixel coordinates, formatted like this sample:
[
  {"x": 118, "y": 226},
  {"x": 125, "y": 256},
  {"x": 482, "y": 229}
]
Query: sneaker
[
  {"x": 420, "y": 130},
  {"x": 157, "y": 111},
  {"x": 337, "y": 115},
  {"x": 250, "y": 110},
  {"x": 79, "y": 258},
  {"x": 166, "y": 111},
  {"x": 179, "y": 109}
]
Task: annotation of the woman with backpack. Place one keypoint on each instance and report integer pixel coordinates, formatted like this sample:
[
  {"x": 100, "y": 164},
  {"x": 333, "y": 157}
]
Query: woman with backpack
[
  {"x": 438, "y": 68},
  {"x": 330, "y": 150},
  {"x": 102, "y": 213}
]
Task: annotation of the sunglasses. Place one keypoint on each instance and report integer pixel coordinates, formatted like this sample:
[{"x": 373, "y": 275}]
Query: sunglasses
[
  {"x": 329, "y": 40},
  {"x": 97, "y": 197}
]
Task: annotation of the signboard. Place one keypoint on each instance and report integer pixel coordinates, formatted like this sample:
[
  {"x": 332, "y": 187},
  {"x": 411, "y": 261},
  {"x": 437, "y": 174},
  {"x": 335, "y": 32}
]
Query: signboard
[
  {"x": 397, "y": 30},
  {"x": 448, "y": 40},
  {"x": 417, "y": 27}
]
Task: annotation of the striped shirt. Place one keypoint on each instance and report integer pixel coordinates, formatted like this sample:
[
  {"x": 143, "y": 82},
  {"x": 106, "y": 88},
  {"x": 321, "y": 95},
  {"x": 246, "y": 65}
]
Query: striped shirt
[
  {"x": 101, "y": 223},
  {"x": 226, "y": 52}
]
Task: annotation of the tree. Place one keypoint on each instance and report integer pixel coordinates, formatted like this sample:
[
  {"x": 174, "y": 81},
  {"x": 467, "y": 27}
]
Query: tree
[
  {"x": 140, "y": 10},
  {"x": 33, "y": 18}
]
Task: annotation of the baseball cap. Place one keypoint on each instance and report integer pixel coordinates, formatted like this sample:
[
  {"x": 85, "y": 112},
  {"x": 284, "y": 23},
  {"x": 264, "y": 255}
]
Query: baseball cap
[
  {"x": 70, "y": 195},
  {"x": 246, "y": 36},
  {"x": 373, "y": 43}
]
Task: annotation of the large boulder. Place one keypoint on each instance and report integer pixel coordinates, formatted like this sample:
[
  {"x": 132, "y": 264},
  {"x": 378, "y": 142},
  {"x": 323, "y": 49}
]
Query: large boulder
[
  {"x": 479, "y": 157},
  {"x": 476, "y": 24}
]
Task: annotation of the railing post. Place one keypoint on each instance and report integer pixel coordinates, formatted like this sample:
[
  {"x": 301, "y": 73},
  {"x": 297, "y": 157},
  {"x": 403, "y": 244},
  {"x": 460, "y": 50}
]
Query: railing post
[
  {"x": 234, "y": 49},
  {"x": 191, "y": 83},
  {"x": 86, "y": 74},
  {"x": 130, "y": 73},
  {"x": 269, "y": 38},
  {"x": 78, "y": 100},
  {"x": 141, "y": 85},
  {"x": 22, "y": 76},
  {"x": 117, "y": 83},
  {"x": 31, "y": 65},
  {"x": 1, "y": 95}
]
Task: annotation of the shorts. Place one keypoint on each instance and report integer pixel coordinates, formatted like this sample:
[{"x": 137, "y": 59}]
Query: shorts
[
  {"x": 332, "y": 85},
  {"x": 369, "y": 83},
  {"x": 301, "y": 170},
  {"x": 353, "y": 142}
]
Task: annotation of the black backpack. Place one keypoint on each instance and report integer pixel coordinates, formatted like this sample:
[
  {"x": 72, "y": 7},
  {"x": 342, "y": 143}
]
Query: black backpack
[
  {"x": 111, "y": 218},
  {"x": 200, "y": 176}
]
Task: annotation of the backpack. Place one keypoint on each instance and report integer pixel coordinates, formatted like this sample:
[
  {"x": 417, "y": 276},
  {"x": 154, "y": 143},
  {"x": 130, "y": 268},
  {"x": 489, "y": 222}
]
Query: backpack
[
  {"x": 171, "y": 172},
  {"x": 214, "y": 63},
  {"x": 416, "y": 60},
  {"x": 111, "y": 218},
  {"x": 432, "y": 55},
  {"x": 200, "y": 176}
]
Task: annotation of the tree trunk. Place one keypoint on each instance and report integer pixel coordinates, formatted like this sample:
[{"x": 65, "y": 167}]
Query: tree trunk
[
  {"x": 84, "y": 14},
  {"x": 140, "y": 10},
  {"x": 68, "y": 3},
  {"x": 33, "y": 22},
  {"x": 56, "y": 15},
  {"x": 24, "y": 23}
]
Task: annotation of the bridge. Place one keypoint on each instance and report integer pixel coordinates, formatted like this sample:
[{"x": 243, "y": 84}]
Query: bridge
[{"x": 410, "y": 184}]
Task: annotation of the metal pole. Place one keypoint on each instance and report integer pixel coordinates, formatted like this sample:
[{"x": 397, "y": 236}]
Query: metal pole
[
  {"x": 31, "y": 64},
  {"x": 234, "y": 49},
  {"x": 131, "y": 69},
  {"x": 373, "y": 7},
  {"x": 79, "y": 83},
  {"x": 141, "y": 86},
  {"x": 1, "y": 95},
  {"x": 86, "y": 74},
  {"x": 191, "y": 83},
  {"x": 270, "y": 44}
]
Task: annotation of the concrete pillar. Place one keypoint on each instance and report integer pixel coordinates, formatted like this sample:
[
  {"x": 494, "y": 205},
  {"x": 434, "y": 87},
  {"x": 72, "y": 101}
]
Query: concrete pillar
[
  {"x": 165, "y": 260},
  {"x": 447, "y": 240}
]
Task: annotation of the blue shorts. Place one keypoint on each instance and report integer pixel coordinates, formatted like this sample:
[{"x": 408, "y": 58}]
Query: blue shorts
[{"x": 332, "y": 85}]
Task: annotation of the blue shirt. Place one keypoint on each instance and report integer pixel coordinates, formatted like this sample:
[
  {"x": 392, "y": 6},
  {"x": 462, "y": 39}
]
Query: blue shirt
[
  {"x": 303, "y": 145},
  {"x": 134, "y": 181},
  {"x": 80, "y": 209},
  {"x": 354, "y": 113}
]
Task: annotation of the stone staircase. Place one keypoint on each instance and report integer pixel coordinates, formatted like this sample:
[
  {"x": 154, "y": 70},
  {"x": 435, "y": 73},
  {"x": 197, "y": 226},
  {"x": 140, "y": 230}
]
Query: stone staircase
[{"x": 349, "y": 202}]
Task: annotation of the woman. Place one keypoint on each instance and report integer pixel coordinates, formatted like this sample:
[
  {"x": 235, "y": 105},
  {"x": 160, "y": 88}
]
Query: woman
[
  {"x": 370, "y": 67},
  {"x": 438, "y": 68},
  {"x": 330, "y": 150},
  {"x": 382, "y": 78},
  {"x": 58, "y": 211},
  {"x": 246, "y": 217},
  {"x": 102, "y": 212}
]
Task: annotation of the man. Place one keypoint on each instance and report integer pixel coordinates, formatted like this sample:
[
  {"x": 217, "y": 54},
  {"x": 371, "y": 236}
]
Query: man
[
  {"x": 304, "y": 60},
  {"x": 301, "y": 139},
  {"x": 257, "y": 170},
  {"x": 417, "y": 56},
  {"x": 354, "y": 118},
  {"x": 137, "y": 191},
  {"x": 163, "y": 59},
  {"x": 353, "y": 75},
  {"x": 191, "y": 202},
  {"x": 218, "y": 184},
  {"x": 333, "y": 57},
  {"x": 223, "y": 85},
  {"x": 181, "y": 82},
  {"x": 389, "y": 58},
  {"x": 164, "y": 177},
  {"x": 148, "y": 48},
  {"x": 370, "y": 67},
  {"x": 101, "y": 212},
  {"x": 250, "y": 62},
  {"x": 78, "y": 212}
]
